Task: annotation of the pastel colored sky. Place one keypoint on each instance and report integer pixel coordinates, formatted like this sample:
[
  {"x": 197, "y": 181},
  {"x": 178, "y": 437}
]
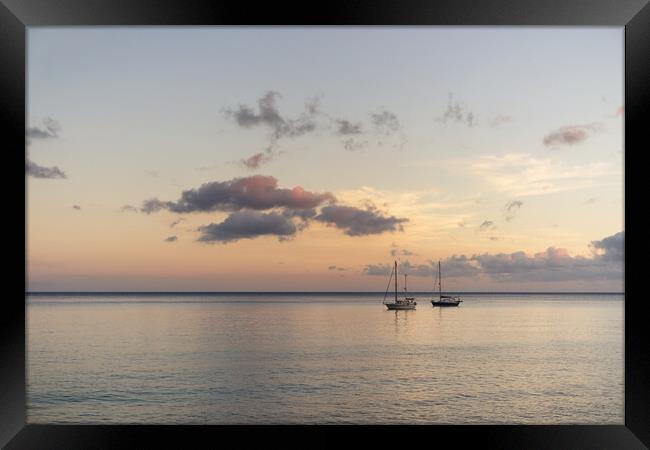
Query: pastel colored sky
[{"x": 308, "y": 159}]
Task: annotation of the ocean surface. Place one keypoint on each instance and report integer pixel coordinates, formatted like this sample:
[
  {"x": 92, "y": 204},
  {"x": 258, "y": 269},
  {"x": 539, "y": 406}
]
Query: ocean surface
[{"x": 324, "y": 358}]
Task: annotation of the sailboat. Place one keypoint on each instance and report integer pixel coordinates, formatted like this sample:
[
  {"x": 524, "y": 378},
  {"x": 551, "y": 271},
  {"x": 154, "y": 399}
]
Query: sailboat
[
  {"x": 399, "y": 303},
  {"x": 444, "y": 300}
]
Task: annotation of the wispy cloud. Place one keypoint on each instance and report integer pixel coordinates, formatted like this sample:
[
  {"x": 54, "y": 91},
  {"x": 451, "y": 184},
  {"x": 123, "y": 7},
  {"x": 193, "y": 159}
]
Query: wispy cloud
[
  {"x": 345, "y": 127},
  {"x": 176, "y": 222},
  {"x": 34, "y": 170},
  {"x": 77, "y": 207},
  {"x": 171, "y": 239},
  {"x": 257, "y": 160},
  {"x": 457, "y": 113},
  {"x": 129, "y": 208},
  {"x": 280, "y": 126},
  {"x": 49, "y": 130},
  {"x": 571, "y": 135},
  {"x": 511, "y": 209},
  {"x": 520, "y": 175},
  {"x": 486, "y": 225}
]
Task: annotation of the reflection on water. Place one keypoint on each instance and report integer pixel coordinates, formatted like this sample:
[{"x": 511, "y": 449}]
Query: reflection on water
[{"x": 320, "y": 359}]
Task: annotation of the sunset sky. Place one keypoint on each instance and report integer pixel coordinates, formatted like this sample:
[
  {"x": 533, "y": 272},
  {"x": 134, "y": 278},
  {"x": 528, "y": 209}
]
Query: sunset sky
[{"x": 308, "y": 159}]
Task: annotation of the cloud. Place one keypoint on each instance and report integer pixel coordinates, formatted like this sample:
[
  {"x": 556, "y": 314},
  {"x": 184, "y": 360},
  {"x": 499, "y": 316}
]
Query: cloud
[
  {"x": 570, "y": 135},
  {"x": 248, "y": 225},
  {"x": 340, "y": 269},
  {"x": 386, "y": 122},
  {"x": 377, "y": 269},
  {"x": 269, "y": 116},
  {"x": 520, "y": 174},
  {"x": 128, "y": 208},
  {"x": 611, "y": 248},
  {"x": 552, "y": 265},
  {"x": 486, "y": 225},
  {"x": 256, "y": 192},
  {"x": 359, "y": 222},
  {"x": 511, "y": 209},
  {"x": 453, "y": 267},
  {"x": 50, "y": 130},
  {"x": 256, "y": 160},
  {"x": 171, "y": 239},
  {"x": 457, "y": 113},
  {"x": 353, "y": 144},
  {"x": 395, "y": 251},
  {"x": 34, "y": 170},
  {"x": 77, "y": 207},
  {"x": 176, "y": 222},
  {"x": 345, "y": 127}
]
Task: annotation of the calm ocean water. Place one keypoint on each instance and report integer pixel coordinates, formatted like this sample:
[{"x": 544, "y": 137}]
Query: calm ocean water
[{"x": 335, "y": 358}]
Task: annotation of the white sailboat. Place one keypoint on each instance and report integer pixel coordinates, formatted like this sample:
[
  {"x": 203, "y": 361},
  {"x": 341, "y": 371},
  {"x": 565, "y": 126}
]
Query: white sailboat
[
  {"x": 444, "y": 300},
  {"x": 399, "y": 303}
]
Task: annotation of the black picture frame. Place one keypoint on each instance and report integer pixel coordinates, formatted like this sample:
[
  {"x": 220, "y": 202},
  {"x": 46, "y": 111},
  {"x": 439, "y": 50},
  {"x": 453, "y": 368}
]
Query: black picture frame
[{"x": 16, "y": 15}]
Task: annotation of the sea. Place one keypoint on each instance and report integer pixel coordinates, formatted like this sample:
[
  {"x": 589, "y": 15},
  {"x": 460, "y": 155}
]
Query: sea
[{"x": 324, "y": 358}]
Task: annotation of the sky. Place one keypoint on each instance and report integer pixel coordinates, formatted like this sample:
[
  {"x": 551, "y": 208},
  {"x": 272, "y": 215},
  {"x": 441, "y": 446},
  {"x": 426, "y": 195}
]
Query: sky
[{"x": 310, "y": 159}]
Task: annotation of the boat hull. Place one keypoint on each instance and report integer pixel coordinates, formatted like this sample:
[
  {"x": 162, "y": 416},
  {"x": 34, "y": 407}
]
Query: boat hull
[
  {"x": 443, "y": 304},
  {"x": 398, "y": 307}
]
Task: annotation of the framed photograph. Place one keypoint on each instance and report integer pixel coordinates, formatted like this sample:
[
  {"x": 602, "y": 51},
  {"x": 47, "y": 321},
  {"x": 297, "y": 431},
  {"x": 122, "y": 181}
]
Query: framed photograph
[{"x": 398, "y": 219}]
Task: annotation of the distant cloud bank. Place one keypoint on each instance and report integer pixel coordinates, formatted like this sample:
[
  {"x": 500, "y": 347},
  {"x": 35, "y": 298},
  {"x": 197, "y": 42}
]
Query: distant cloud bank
[{"x": 552, "y": 265}]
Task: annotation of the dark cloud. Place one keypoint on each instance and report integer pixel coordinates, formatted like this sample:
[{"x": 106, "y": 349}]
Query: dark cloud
[
  {"x": 611, "y": 248},
  {"x": 256, "y": 160},
  {"x": 171, "y": 239},
  {"x": 50, "y": 130},
  {"x": 486, "y": 225},
  {"x": 511, "y": 209},
  {"x": 340, "y": 269},
  {"x": 386, "y": 122},
  {"x": 570, "y": 135},
  {"x": 359, "y": 222},
  {"x": 268, "y": 115},
  {"x": 77, "y": 207},
  {"x": 457, "y": 113},
  {"x": 248, "y": 225},
  {"x": 256, "y": 192},
  {"x": 34, "y": 170},
  {"x": 345, "y": 127}
]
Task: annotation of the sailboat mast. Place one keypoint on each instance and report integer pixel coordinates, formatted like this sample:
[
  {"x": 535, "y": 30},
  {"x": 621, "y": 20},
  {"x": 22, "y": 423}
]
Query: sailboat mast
[
  {"x": 395, "y": 281},
  {"x": 439, "y": 281}
]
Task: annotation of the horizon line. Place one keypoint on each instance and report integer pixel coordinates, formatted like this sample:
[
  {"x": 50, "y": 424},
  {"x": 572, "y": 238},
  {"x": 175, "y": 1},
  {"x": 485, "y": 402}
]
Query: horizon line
[{"x": 307, "y": 292}]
